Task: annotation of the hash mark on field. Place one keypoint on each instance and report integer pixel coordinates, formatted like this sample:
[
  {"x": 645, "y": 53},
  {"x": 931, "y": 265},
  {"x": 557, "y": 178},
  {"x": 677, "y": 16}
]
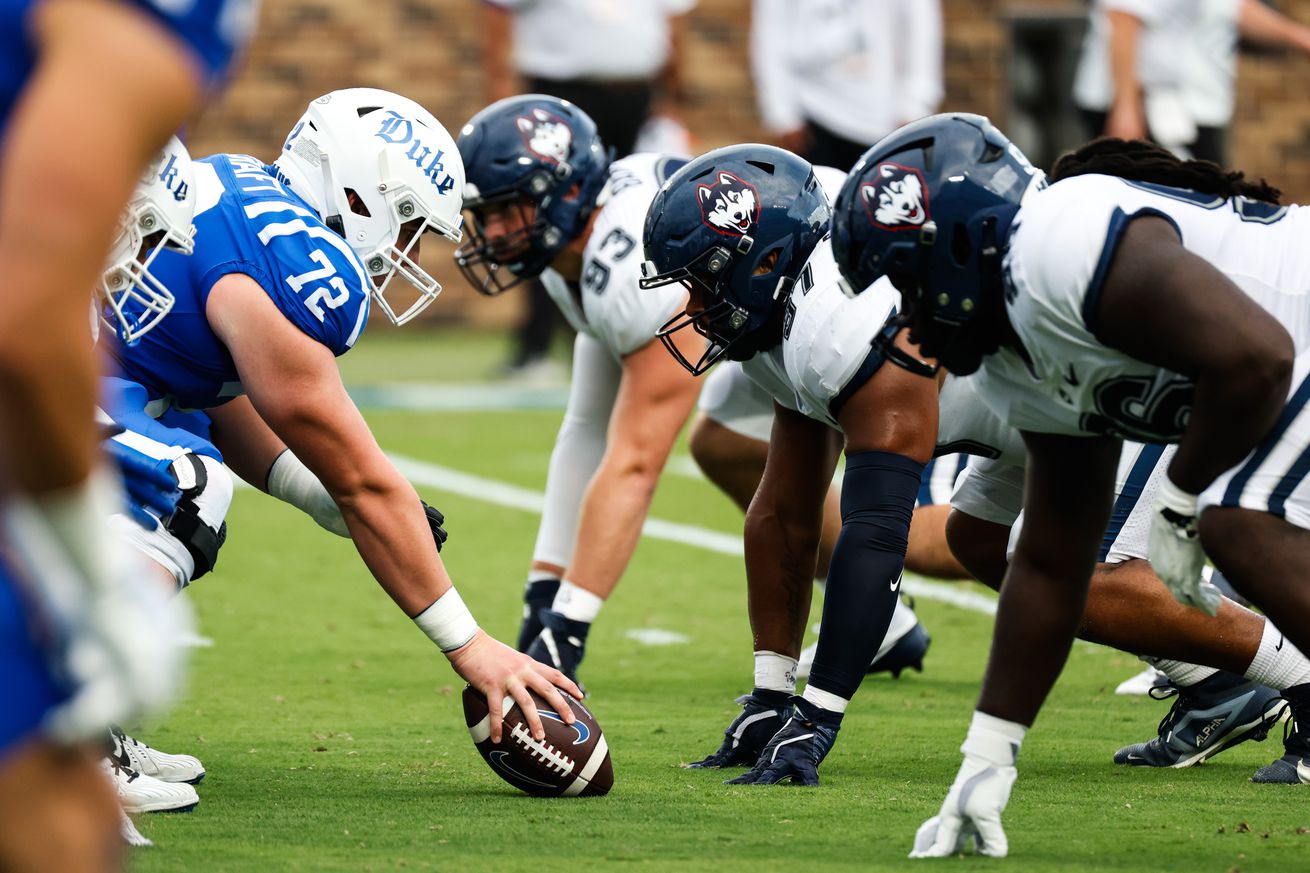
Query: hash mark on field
[{"x": 654, "y": 636}]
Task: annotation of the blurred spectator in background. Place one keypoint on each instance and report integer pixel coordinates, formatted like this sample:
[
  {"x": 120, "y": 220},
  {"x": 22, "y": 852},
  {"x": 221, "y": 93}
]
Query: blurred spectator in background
[
  {"x": 833, "y": 76},
  {"x": 1165, "y": 69},
  {"x": 617, "y": 60}
]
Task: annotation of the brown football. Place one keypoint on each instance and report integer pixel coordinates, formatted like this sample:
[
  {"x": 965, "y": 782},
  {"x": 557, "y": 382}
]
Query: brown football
[{"x": 572, "y": 761}]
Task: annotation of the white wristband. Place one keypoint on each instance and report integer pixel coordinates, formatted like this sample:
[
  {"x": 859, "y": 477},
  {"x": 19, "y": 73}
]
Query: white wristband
[
  {"x": 993, "y": 739},
  {"x": 448, "y": 622}
]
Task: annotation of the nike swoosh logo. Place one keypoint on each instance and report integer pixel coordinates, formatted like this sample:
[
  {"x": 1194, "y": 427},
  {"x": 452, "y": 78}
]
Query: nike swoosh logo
[
  {"x": 579, "y": 727},
  {"x": 498, "y": 761},
  {"x": 896, "y": 583},
  {"x": 1279, "y": 647}
]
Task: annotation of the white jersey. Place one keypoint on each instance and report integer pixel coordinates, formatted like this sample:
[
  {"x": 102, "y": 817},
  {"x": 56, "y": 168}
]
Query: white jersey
[
  {"x": 607, "y": 304},
  {"x": 1060, "y": 250}
]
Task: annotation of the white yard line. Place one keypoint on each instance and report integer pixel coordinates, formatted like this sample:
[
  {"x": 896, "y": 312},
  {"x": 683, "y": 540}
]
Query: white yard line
[{"x": 527, "y": 500}]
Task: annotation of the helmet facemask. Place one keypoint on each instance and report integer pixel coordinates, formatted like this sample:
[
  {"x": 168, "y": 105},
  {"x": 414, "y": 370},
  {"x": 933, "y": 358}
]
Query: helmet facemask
[
  {"x": 494, "y": 265},
  {"x": 130, "y": 299}
]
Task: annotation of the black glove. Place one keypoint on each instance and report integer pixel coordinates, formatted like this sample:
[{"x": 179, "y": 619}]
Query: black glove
[
  {"x": 763, "y": 714},
  {"x": 435, "y": 521}
]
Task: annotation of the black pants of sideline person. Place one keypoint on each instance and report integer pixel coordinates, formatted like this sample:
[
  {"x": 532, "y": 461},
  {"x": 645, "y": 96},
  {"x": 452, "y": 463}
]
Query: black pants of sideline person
[
  {"x": 829, "y": 149},
  {"x": 1210, "y": 143}
]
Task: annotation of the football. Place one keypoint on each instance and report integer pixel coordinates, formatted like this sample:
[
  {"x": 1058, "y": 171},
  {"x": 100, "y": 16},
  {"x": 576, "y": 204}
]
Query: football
[{"x": 572, "y": 761}]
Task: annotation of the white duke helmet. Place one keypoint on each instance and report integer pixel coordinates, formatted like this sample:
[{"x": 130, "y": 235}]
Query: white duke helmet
[
  {"x": 401, "y": 165},
  {"x": 130, "y": 299}
]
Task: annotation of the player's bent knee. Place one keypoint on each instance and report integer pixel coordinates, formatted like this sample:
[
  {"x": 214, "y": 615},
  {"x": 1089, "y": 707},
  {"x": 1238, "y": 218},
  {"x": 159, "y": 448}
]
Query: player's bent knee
[{"x": 186, "y": 545}]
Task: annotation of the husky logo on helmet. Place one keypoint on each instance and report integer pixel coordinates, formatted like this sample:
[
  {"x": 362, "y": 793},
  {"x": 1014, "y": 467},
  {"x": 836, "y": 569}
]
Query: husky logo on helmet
[
  {"x": 730, "y": 205},
  {"x": 895, "y": 199},
  {"x": 546, "y": 135}
]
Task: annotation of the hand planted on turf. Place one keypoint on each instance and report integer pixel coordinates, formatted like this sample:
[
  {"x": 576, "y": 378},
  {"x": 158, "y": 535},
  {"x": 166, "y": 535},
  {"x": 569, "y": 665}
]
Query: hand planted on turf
[
  {"x": 497, "y": 670},
  {"x": 796, "y": 750},
  {"x": 1175, "y": 549},
  {"x": 971, "y": 813},
  {"x": 763, "y": 714}
]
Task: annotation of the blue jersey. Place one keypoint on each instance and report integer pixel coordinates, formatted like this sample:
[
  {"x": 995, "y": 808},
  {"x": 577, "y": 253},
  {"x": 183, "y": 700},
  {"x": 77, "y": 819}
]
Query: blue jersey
[
  {"x": 246, "y": 222},
  {"x": 211, "y": 29}
]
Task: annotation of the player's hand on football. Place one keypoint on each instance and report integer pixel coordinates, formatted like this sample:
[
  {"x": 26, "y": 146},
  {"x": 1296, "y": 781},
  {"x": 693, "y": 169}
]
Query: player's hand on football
[
  {"x": 796, "y": 750},
  {"x": 498, "y": 671},
  {"x": 970, "y": 816},
  {"x": 1175, "y": 549},
  {"x": 763, "y": 714}
]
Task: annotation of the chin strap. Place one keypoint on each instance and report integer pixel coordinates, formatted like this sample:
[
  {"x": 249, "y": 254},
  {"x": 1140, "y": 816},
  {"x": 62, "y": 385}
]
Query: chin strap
[{"x": 885, "y": 342}]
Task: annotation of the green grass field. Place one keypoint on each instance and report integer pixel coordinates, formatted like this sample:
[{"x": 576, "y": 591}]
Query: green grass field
[{"x": 334, "y": 740}]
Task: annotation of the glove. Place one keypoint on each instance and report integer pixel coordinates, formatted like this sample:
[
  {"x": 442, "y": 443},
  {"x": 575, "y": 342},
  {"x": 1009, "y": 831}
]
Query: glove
[
  {"x": 971, "y": 814},
  {"x": 763, "y": 714},
  {"x": 796, "y": 750},
  {"x": 114, "y": 630},
  {"x": 151, "y": 487},
  {"x": 435, "y": 521},
  {"x": 1175, "y": 549}
]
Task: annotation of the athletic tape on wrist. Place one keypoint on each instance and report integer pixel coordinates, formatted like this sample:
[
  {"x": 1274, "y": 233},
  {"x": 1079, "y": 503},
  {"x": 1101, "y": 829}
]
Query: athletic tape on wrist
[{"x": 448, "y": 622}]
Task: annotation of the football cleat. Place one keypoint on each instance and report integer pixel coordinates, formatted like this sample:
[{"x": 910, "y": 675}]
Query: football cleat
[
  {"x": 1141, "y": 684},
  {"x": 797, "y": 750},
  {"x": 1208, "y": 717},
  {"x": 136, "y": 755},
  {"x": 140, "y": 793},
  {"x": 762, "y": 715},
  {"x": 560, "y": 643},
  {"x": 1294, "y": 767},
  {"x": 905, "y": 653},
  {"x": 537, "y": 596}
]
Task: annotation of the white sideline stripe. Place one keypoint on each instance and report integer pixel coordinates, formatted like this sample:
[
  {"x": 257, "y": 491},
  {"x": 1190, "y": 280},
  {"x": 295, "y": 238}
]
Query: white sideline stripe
[
  {"x": 424, "y": 397},
  {"x": 526, "y": 500}
]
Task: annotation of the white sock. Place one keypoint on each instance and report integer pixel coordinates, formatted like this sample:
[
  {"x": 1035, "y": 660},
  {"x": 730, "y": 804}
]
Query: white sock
[
  {"x": 1181, "y": 673},
  {"x": 825, "y": 699},
  {"x": 576, "y": 604},
  {"x": 774, "y": 672},
  {"x": 1278, "y": 663},
  {"x": 541, "y": 576}
]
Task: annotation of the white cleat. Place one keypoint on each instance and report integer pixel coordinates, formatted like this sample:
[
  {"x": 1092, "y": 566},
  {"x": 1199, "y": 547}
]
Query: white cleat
[
  {"x": 136, "y": 755},
  {"x": 1141, "y": 684},
  {"x": 138, "y": 792}
]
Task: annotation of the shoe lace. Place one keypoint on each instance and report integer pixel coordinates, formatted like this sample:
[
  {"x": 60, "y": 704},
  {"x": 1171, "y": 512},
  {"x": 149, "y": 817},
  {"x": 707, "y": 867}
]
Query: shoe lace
[
  {"x": 126, "y": 771},
  {"x": 1164, "y": 692}
]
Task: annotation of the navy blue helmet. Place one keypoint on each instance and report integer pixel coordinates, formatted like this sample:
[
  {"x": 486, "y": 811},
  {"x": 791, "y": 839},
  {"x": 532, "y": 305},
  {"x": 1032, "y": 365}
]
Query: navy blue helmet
[
  {"x": 541, "y": 158},
  {"x": 929, "y": 206},
  {"x": 735, "y": 226}
]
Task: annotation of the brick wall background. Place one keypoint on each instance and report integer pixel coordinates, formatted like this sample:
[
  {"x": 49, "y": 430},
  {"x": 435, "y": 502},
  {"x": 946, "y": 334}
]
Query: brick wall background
[{"x": 429, "y": 50}]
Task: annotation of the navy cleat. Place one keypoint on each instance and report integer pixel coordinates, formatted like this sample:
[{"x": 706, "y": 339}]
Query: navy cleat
[
  {"x": 560, "y": 642},
  {"x": 907, "y": 653},
  {"x": 1208, "y": 717},
  {"x": 762, "y": 715},
  {"x": 1294, "y": 767},
  {"x": 537, "y": 596}
]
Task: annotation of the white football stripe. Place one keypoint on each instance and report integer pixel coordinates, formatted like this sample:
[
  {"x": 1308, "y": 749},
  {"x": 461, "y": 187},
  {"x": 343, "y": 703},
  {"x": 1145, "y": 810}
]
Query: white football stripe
[
  {"x": 481, "y": 731},
  {"x": 598, "y": 756}
]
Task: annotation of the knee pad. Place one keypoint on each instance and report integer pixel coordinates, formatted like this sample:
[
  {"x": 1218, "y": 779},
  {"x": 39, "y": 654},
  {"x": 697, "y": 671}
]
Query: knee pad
[{"x": 198, "y": 523}]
